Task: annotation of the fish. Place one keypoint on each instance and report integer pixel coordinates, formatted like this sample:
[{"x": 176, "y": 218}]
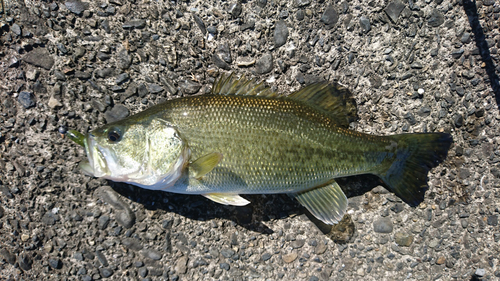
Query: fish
[{"x": 243, "y": 138}]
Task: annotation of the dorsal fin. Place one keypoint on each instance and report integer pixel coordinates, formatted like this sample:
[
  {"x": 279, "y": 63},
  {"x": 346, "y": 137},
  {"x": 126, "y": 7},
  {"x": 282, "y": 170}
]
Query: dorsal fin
[
  {"x": 333, "y": 99},
  {"x": 232, "y": 85}
]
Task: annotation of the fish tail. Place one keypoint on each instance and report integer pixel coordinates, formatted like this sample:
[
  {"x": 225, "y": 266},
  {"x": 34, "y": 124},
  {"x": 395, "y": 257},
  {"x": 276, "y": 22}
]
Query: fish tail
[{"x": 416, "y": 155}]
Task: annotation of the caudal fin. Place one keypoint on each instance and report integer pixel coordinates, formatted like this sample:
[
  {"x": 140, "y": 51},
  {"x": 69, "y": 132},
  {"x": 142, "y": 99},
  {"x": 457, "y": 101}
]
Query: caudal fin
[{"x": 416, "y": 155}]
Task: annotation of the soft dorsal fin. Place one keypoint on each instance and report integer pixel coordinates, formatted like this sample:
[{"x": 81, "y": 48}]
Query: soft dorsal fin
[
  {"x": 232, "y": 85},
  {"x": 333, "y": 99}
]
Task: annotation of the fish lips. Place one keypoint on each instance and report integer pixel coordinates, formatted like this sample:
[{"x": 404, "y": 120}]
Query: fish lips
[{"x": 97, "y": 165}]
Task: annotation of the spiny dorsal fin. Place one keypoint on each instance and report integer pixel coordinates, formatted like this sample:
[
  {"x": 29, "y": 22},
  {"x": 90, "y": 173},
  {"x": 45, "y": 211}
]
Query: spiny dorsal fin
[
  {"x": 232, "y": 85},
  {"x": 333, "y": 99}
]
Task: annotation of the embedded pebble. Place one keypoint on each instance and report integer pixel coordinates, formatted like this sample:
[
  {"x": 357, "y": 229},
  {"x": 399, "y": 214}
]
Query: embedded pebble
[
  {"x": 382, "y": 225},
  {"x": 26, "y": 99},
  {"x": 76, "y": 6},
  {"x": 264, "y": 64},
  {"x": 280, "y": 34}
]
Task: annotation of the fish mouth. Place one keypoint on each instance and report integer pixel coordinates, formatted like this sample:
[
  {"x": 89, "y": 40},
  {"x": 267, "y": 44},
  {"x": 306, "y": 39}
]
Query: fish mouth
[{"x": 96, "y": 165}]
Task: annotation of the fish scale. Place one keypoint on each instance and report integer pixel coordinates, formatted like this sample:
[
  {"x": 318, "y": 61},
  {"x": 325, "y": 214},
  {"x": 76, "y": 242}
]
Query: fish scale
[
  {"x": 245, "y": 139},
  {"x": 278, "y": 146}
]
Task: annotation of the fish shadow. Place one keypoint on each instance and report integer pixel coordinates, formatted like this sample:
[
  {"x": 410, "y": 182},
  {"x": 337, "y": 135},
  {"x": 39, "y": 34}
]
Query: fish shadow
[{"x": 263, "y": 207}]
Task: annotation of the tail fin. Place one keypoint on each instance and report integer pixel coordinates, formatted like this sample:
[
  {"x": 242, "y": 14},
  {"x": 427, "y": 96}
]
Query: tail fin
[{"x": 416, "y": 155}]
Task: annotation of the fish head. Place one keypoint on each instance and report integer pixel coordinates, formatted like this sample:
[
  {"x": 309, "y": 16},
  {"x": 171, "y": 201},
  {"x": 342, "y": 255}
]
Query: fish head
[{"x": 149, "y": 154}]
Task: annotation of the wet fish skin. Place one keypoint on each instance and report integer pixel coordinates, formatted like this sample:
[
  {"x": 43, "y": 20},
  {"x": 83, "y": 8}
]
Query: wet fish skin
[{"x": 244, "y": 139}]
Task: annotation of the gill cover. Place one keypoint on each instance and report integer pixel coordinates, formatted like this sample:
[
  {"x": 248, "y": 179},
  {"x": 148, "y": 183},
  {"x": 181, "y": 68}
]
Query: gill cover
[{"x": 148, "y": 154}]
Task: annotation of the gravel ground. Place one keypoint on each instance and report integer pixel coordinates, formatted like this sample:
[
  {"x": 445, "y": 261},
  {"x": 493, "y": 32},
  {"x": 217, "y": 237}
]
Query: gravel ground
[{"x": 412, "y": 66}]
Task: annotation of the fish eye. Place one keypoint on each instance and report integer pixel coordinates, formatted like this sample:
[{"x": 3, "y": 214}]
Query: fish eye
[{"x": 114, "y": 135}]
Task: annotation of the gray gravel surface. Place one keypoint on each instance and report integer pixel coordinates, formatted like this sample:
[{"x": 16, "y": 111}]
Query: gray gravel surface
[{"x": 413, "y": 66}]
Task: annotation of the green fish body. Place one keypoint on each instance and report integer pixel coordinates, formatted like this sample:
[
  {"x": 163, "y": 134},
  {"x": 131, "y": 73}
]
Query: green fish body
[{"x": 244, "y": 139}]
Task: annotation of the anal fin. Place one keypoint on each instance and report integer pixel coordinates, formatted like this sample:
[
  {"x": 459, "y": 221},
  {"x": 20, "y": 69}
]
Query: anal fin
[
  {"x": 327, "y": 203},
  {"x": 227, "y": 199}
]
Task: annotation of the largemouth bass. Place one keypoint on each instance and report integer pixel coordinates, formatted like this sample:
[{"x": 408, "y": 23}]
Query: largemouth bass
[{"x": 245, "y": 139}]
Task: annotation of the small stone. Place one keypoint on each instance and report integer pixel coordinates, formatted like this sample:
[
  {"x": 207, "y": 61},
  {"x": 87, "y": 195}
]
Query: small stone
[
  {"x": 266, "y": 256},
  {"x": 480, "y": 272},
  {"x": 152, "y": 254},
  {"x": 135, "y": 23},
  {"x": 132, "y": 244},
  {"x": 227, "y": 253},
  {"x": 302, "y": 3},
  {"x": 200, "y": 23},
  {"x": 493, "y": 220},
  {"x": 122, "y": 78},
  {"x": 220, "y": 63},
  {"x": 105, "y": 272},
  {"x": 16, "y": 29},
  {"x": 55, "y": 263},
  {"x": 25, "y": 262},
  {"x": 264, "y": 64},
  {"x": 116, "y": 113},
  {"x": 190, "y": 87},
  {"x": 8, "y": 256},
  {"x": 76, "y": 6},
  {"x": 403, "y": 239},
  {"x": 224, "y": 53},
  {"x": 298, "y": 243},
  {"x": 288, "y": 258},
  {"x": 235, "y": 9},
  {"x": 456, "y": 54},
  {"x": 154, "y": 88},
  {"x": 330, "y": 16},
  {"x": 280, "y": 34},
  {"x": 224, "y": 266},
  {"x": 364, "y": 22},
  {"x": 105, "y": 72},
  {"x": 436, "y": 18},
  {"x": 394, "y": 9},
  {"x": 103, "y": 222},
  {"x": 27, "y": 99},
  {"x": 83, "y": 75},
  {"x": 383, "y": 225},
  {"x": 458, "y": 120},
  {"x": 181, "y": 265},
  {"x": 441, "y": 260},
  {"x": 39, "y": 57},
  {"x": 124, "y": 60}
]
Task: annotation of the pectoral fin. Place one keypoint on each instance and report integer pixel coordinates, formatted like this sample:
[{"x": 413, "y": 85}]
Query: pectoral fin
[
  {"x": 204, "y": 165},
  {"x": 227, "y": 199},
  {"x": 327, "y": 203}
]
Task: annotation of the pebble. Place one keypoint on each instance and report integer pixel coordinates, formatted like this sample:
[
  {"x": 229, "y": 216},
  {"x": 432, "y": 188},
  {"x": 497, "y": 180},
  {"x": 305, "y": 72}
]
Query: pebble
[
  {"x": 227, "y": 253},
  {"x": 103, "y": 222},
  {"x": 200, "y": 23},
  {"x": 403, "y": 239},
  {"x": 120, "y": 79},
  {"x": 16, "y": 29},
  {"x": 225, "y": 53},
  {"x": 124, "y": 215},
  {"x": 394, "y": 9},
  {"x": 302, "y": 3},
  {"x": 76, "y": 6},
  {"x": 458, "y": 120},
  {"x": 152, "y": 254},
  {"x": 493, "y": 220},
  {"x": 135, "y": 23},
  {"x": 181, "y": 265},
  {"x": 264, "y": 64},
  {"x": 124, "y": 60},
  {"x": 190, "y": 87},
  {"x": 383, "y": 225},
  {"x": 441, "y": 260},
  {"x": 288, "y": 258},
  {"x": 480, "y": 272},
  {"x": 298, "y": 243},
  {"x": 116, "y": 113},
  {"x": 53, "y": 102},
  {"x": 55, "y": 263},
  {"x": 39, "y": 57},
  {"x": 235, "y": 9},
  {"x": 105, "y": 272},
  {"x": 25, "y": 262},
  {"x": 220, "y": 63},
  {"x": 154, "y": 88},
  {"x": 8, "y": 256},
  {"x": 224, "y": 266},
  {"x": 132, "y": 244},
  {"x": 330, "y": 16},
  {"x": 266, "y": 256},
  {"x": 83, "y": 75},
  {"x": 364, "y": 22},
  {"x": 280, "y": 34},
  {"x": 436, "y": 18},
  {"x": 27, "y": 99}
]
